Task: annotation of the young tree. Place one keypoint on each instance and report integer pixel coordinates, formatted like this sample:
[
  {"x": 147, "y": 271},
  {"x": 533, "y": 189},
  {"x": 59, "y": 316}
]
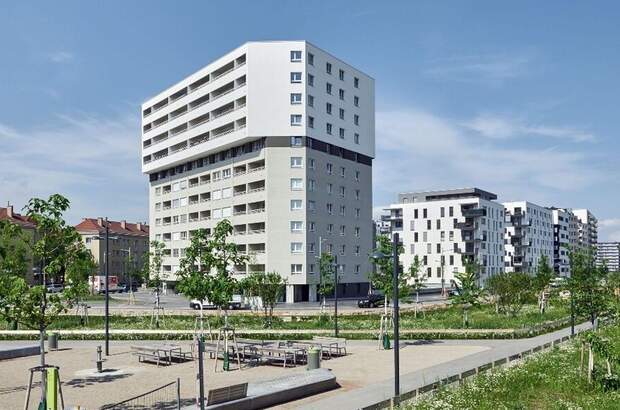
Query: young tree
[
  {"x": 269, "y": 287},
  {"x": 544, "y": 275},
  {"x": 326, "y": 277},
  {"x": 14, "y": 257},
  {"x": 418, "y": 278},
  {"x": 382, "y": 277},
  {"x": 468, "y": 292},
  {"x": 586, "y": 285},
  {"x": 152, "y": 271},
  {"x": 511, "y": 291},
  {"x": 59, "y": 253},
  {"x": 207, "y": 264}
]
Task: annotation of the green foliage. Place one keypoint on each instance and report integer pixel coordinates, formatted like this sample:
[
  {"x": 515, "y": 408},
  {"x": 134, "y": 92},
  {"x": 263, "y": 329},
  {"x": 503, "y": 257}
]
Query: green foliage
[
  {"x": 269, "y": 287},
  {"x": 416, "y": 275},
  {"x": 14, "y": 249},
  {"x": 469, "y": 293},
  {"x": 587, "y": 285},
  {"x": 544, "y": 274},
  {"x": 152, "y": 265},
  {"x": 326, "y": 271},
  {"x": 511, "y": 291},
  {"x": 382, "y": 278}
]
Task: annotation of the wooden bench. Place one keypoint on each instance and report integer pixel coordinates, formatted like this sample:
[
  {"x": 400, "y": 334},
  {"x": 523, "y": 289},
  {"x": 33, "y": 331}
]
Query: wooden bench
[
  {"x": 336, "y": 345},
  {"x": 228, "y": 393},
  {"x": 151, "y": 353}
]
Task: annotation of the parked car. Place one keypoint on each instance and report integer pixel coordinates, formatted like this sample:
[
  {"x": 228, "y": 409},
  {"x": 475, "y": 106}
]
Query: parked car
[
  {"x": 55, "y": 288},
  {"x": 235, "y": 303},
  {"x": 373, "y": 300},
  {"x": 124, "y": 287}
]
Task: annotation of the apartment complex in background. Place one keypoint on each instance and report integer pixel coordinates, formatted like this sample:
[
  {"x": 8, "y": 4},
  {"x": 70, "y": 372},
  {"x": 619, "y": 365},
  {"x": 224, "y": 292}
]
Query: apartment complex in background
[
  {"x": 528, "y": 236},
  {"x": 565, "y": 231},
  {"x": 587, "y": 229},
  {"x": 277, "y": 137},
  {"x": 128, "y": 247},
  {"x": 608, "y": 254},
  {"x": 29, "y": 228},
  {"x": 445, "y": 229}
]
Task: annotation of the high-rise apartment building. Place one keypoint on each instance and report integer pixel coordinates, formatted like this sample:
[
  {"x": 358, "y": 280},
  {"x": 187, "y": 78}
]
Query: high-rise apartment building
[
  {"x": 528, "y": 236},
  {"x": 565, "y": 228},
  {"x": 278, "y": 137},
  {"x": 608, "y": 253},
  {"x": 587, "y": 229},
  {"x": 445, "y": 229}
]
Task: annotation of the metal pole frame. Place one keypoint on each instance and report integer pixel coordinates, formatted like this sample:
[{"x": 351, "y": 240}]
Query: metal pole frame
[
  {"x": 107, "y": 289},
  {"x": 396, "y": 316},
  {"x": 201, "y": 385},
  {"x": 336, "y": 295}
]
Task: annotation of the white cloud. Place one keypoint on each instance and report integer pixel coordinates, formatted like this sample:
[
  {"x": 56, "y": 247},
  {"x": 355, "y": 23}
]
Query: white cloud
[
  {"x": 609, "y": 229},
  {"x": 94, "y": 162},
  {"x": 483, "y": 68},
  {"x": 417, "y": 150},
  {"x": 497, "y": 127},
  {"x": 60, "y": 57}
]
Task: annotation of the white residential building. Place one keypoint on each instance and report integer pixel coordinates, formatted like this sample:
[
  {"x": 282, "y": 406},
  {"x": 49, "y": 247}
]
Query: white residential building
[
  {"x": 587, "y": 235},
  {"x": 528, "y": 236},
  {"x": 565, "y": 228},
  {"x": 447, "y": 228},
  {"x": 608, "y": 253},
  {"x": 278, "y": 137}
]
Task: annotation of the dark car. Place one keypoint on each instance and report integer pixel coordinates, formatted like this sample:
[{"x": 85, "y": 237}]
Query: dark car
[
  {"x": 371, "y": 301},
  {"x": 124, "y": 287}
]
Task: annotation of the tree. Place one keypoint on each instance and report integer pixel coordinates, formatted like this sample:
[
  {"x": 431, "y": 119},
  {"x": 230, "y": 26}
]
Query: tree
[
  {"x": 152, "y": 272},
  {"x": 326, "y": 277},
  {"x": 544, "y": 275},
  {"x": 511, "y": 291},
  {"x": 468, "y": 293},
  {"x": 382, "y": 277},
  {"x": 269, "y": 287},
  {"x": 417, "y": 281},
  {"x": 14, "y": 257},
  {"x": 60, "y": 254},
  {"x": 205, "y": 268},
  {"x": 587, "y": 285}
]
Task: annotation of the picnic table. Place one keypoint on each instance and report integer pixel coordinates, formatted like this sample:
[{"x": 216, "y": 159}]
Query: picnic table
[{"x": 160, "y": 353}]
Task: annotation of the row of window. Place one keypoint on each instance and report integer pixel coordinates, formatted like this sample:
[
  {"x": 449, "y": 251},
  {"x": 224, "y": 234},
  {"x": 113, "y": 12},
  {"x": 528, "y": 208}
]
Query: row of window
[{"x": 296, "y": 57}]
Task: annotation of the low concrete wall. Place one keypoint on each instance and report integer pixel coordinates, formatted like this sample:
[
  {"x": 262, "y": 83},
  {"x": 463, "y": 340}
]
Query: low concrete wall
[{"x": 12, "y": 352}]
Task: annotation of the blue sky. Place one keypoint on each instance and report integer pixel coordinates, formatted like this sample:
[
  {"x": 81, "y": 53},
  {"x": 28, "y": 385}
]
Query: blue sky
[{"x": 517, "y": 98}]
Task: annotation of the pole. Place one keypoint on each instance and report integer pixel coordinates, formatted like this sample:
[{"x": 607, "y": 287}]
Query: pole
[
  {"x": 336, "y": 295},
  {"x": 201, "y": 385},
  {"x": 178, "y": 393},
  {"x": 321, "y": 296},
  {"x": 395, "y": 314},
  {"x": 42, "y": 329},
  {"x": 572, "y": 315},
  {"x": 107, "y": 289}
]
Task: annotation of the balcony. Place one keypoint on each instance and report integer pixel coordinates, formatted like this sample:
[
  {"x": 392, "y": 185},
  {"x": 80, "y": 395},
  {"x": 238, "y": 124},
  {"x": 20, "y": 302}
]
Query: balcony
[
  {"x": 465, "y": 226},
  {"x": 474, "y": 212}
]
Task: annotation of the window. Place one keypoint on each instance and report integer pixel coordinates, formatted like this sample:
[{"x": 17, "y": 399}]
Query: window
[
  {"x": 341, "y": 75},
  {"x": 296, "y": 162},
  {"x": 226, "y": 173},
  {"x": 296, "y": 226},
  {"x": 438, "y": 223},
  {"x": 295, "y": 77},
  {"x": 295, "y": 98},
  {"x": 424, "y": 213},
  {"x": 295, "y": 56},
  {"x": 311, "y": 185},
  {"x": 356, "y": 138},
  {"x": 428, "y": 224},
  {"x": 356, "y": 119},
  {"x": 342, "y": 191},
  {"x": 357, "y": 231},
  {"x": 329, "y": 168},
  {"x": 328, "y": 128},
  {"x": 311, "y": 268},
  {"x": 342, "y": 210},
  {"x": 342, "y": 172},
  {"x": 217, "y": 194},
  {"x": 330, "y": 228},
  {"x": 328, "y": 108},
  {"x": 341, "y": 94},
  {"x": 357, "y": 250},
  {"x": 311, "y": 226},
  {"x": 310, "y": 80},
  {"x": 451, "y": 259},
  {"x": 226, "y": 193},
  {"x": 357, "y": 175},
  {"x": 341, "y": 113},
  {"x": 297, "y": 247},
  {"x": 415, "y": 236},
  {"x": 295, "y": 119},
  {"x": 311, "y": 163},
  {"x": 451, "y": 211},
  {"x": 443, "y": 236},
  {"x": 310, "y": 100},
  {"x": 310, "y": 58},
  {"x": 341, "y": 132},
  {"x": 329, "y": 188},
  {"x": 429, "y": 248},
  {"x": 356, "y": 82},
  {"x": 330, "y": 208},
  {"x": 357, "y": 213},
  {"x": 442, "y": 212},
  {"x": 415, "y": 214},
  {"x": 158, "y": 191},
  {"x": 311, "y": 206},
  {"x": 296, "y": 268},
  {"x": 343, "y": 249},
  {"x": 296, "y": 184},
  {"x": 296, "y": 142},
  {"x": 328, "y": 68},
  {"x": 216, "y": 214},
  {"x": 328, "y": 88},
  {"x": 310, "y": 122},
  {"x": 438, "y": 248},
  {"x": 226, "y": 212},
  {"x": 356, "y": 101},
  {"x": 343, "y": 229},
  {"x": 357, "y": 194},
  {"x": 295, "y": 204}
]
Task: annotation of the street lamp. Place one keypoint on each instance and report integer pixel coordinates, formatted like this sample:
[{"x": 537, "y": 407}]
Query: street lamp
[
  {"x": 376, "y": 256},
  {"x": 107, "y": 238}
]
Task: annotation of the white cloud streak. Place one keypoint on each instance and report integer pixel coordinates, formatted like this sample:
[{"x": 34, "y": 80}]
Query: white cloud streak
[
  {"x": 483, "y": 68},
  {"x": 60, "y": 57}
]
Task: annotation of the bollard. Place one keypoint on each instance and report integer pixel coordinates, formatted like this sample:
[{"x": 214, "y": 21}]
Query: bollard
[
  {"x": 313, "y": 358},
  {"x": 99, "y": 360},
  {"x": 52, "y": 341}
]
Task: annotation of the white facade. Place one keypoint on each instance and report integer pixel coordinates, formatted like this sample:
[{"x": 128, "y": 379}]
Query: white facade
[
  {"x": 587, "y": 235},
  {"x": 608, "y": 253},
  {"x": 528, "y": 236},
  {"x": 277, "y": 137},
  {"x": 444, "y": 229},
  {"x": 565, "y": 228}
]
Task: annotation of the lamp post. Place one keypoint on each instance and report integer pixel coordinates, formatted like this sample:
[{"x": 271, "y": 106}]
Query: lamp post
[
  {"x": 107, "y": 238},
  {"x": 377, "y": 256},
  {"x": 335, "y": 266}
]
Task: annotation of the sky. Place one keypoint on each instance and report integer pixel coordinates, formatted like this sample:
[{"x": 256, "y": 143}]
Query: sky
[{"x": 517, "y": 98}]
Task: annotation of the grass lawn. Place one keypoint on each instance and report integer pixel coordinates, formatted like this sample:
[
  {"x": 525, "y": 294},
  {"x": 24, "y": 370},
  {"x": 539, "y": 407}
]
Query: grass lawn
[
  {"x": 546, "y": 381},
  {"x": 483, "y": 317}
]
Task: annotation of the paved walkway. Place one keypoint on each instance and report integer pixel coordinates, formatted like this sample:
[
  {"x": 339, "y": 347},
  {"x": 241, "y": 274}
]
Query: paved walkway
[{"x": 381, "y": 391}]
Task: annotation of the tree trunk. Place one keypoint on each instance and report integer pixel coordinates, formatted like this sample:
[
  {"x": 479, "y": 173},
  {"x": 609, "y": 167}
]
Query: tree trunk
[
  {"x": 465, "y": 319},
  {"x": 385, "y": 304},
  {"x": 201, "y": 320},
  {"x": 417, "y": 300},
  {"x": 590, "y": 363}
]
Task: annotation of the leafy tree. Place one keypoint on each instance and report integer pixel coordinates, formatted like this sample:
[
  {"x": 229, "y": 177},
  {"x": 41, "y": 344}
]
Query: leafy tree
[
  {"x": 14, "y": 257},
  {"x": 468, "y": 292},
  {"x": 205, "y": 268},
  {"x": 327, "y": 278},
  {"x": 511, "y": 291},
  {"x": 587, "y": 285},
  {"x": 60, "y": 254},
  {"x": 544, "y": 275},
  {"x": 269, "y": 287},
  {"x": 382, "y": 277},
  {"x": 418, "y": 278}
]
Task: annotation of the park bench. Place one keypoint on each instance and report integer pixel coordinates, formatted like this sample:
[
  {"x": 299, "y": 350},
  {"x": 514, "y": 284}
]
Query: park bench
[
  {"x": 228, "y": 393},
  {"x": 150, "y": 353},
  {"x": 336, "y": 345},
  {"x": 274, "y": 353}
]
